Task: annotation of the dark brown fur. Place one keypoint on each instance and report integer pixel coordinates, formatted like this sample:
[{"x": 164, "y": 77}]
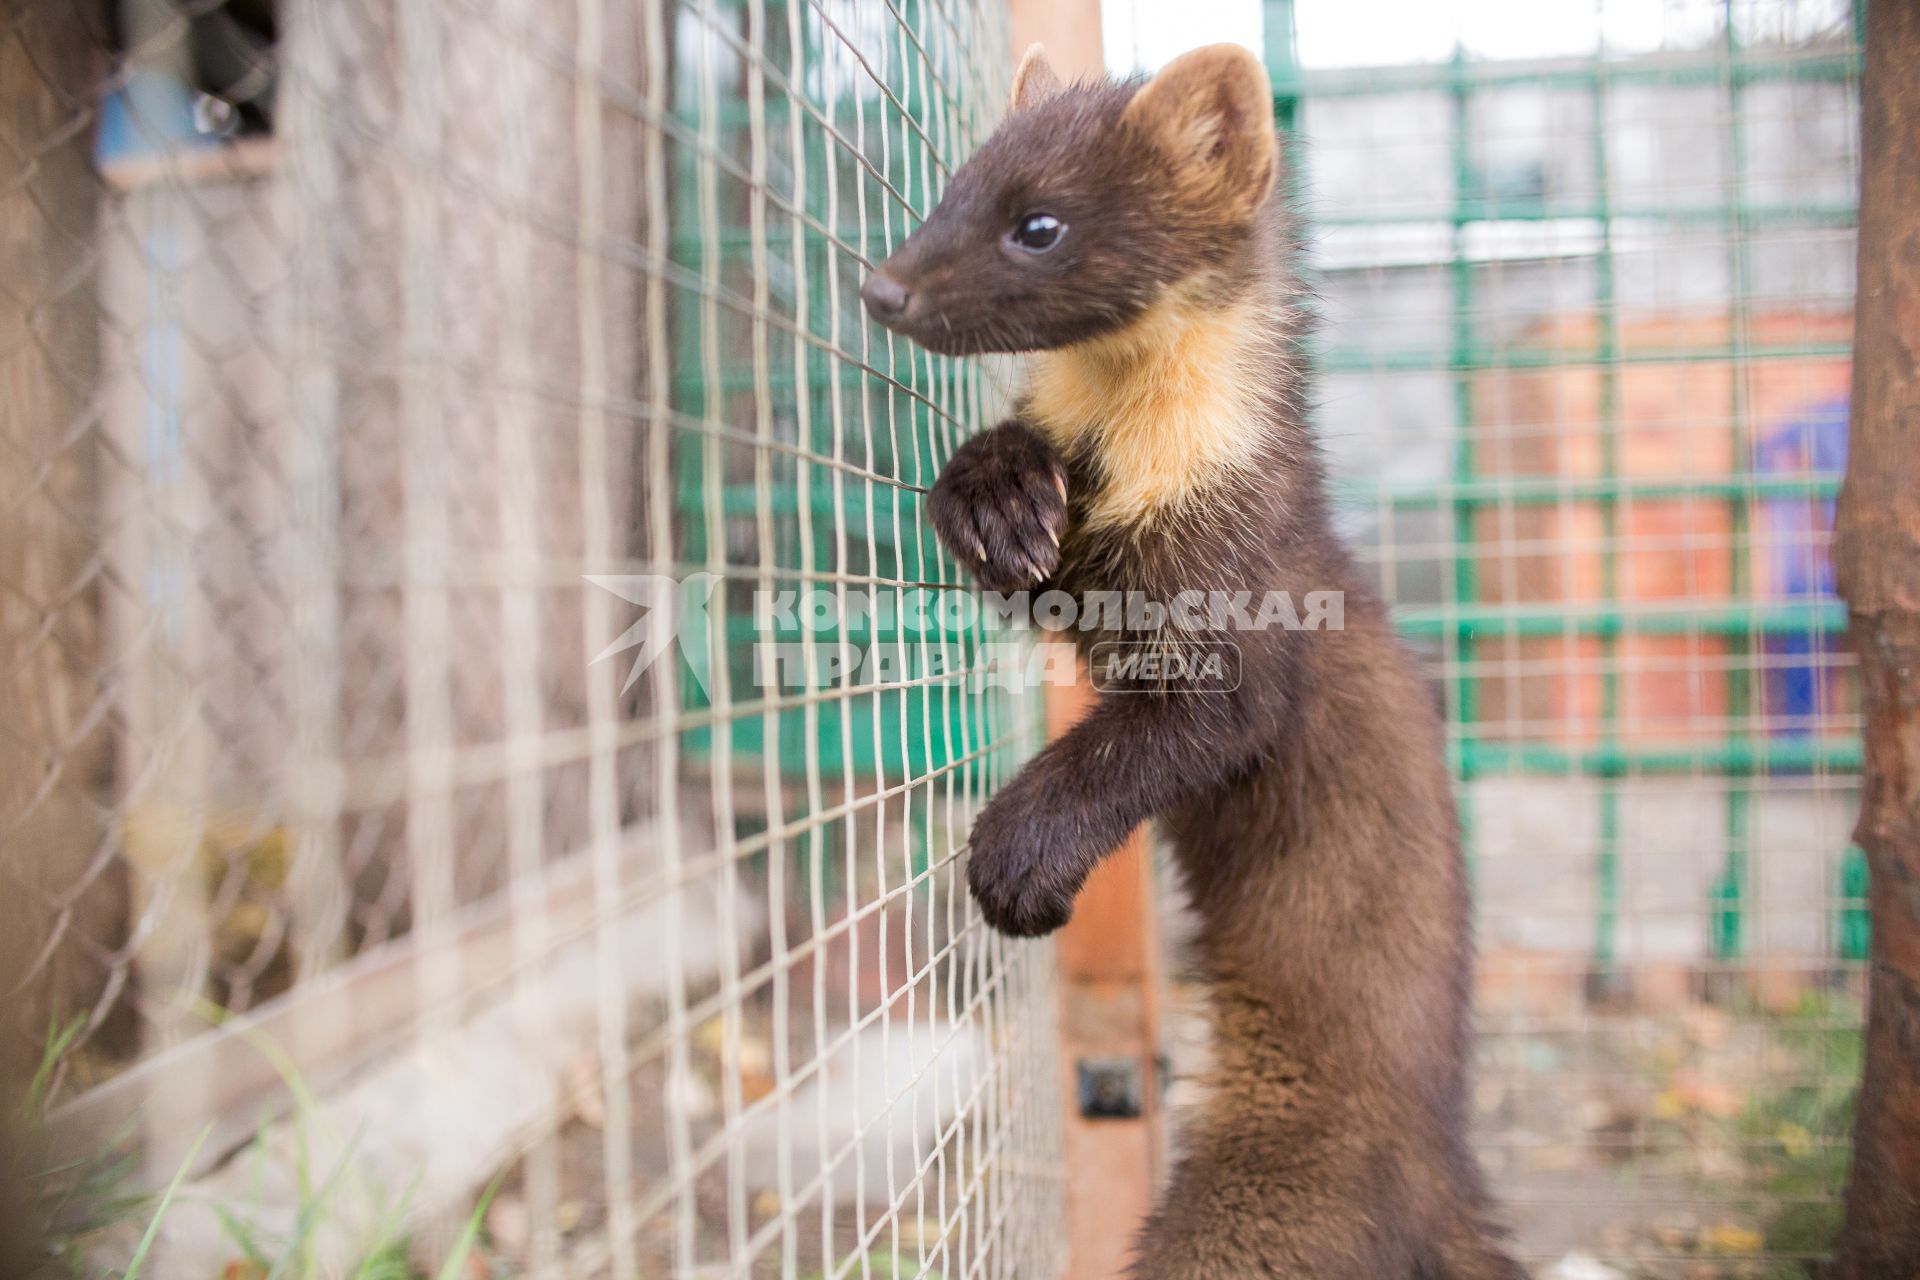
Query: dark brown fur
[{"x": 1310, "y": 808}]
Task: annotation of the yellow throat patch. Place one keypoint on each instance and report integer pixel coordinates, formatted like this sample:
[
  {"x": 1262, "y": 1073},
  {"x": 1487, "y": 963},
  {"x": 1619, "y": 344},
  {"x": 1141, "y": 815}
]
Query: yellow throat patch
[{"x": 1170, "y": 405}]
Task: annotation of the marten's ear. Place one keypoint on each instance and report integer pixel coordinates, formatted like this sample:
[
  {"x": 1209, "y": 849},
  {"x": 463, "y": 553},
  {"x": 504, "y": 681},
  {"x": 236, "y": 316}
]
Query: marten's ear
[
  {"x": 1034, "y": 81},
  {"x": 1211, "y": 113}
]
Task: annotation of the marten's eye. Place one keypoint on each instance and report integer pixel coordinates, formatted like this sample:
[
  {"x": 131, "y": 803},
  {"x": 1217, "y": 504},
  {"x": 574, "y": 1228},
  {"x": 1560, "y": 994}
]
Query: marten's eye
[{"x": 1038, "y": 232}]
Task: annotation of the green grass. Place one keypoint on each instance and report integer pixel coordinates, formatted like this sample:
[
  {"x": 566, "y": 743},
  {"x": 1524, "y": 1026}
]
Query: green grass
[
  {"x": 77, "y": 1198},
  {"x": 80, "y": 1200},
  {"x": 1792, "y": 1134},
  {"x": 1775, "y": 1134},
  {"x": 1801, "y": 1133},
  {"x": 147, "y": 1238}
]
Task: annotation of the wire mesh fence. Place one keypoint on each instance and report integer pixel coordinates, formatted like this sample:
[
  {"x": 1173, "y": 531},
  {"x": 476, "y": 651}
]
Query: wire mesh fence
[
  {"x": 467, "y": 610},
  {"x": 1587, "y": 275},
  {"x": 423, "y": 421}
]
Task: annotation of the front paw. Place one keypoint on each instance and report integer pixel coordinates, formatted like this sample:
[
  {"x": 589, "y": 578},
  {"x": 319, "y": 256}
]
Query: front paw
[
  {"x": 1001, "y": 505},
  {"x": 1020, "y": 873}
]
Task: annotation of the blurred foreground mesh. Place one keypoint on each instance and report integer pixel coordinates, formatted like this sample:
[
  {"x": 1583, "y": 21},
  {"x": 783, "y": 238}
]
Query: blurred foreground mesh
[{"x": 340, "y": 343}]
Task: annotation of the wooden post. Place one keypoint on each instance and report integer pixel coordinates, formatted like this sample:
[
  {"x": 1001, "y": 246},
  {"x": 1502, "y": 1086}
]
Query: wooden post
[
  {"x": 1109, "y": 954},
  {"x": 1877, "y": 560},
  {"x": 60, "y": 904},
  {"x": 1109, "y": 957}
]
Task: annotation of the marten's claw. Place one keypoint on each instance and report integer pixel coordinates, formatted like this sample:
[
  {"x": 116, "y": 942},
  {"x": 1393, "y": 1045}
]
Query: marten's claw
[{"x": 1001, "y": 506}]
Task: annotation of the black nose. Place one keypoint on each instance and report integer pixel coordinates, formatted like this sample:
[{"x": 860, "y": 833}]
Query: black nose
[{"x": 886, "y": 298}]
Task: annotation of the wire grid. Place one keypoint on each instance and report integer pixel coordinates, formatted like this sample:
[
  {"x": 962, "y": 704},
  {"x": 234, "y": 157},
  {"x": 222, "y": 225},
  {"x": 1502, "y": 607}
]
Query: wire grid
[
  {"x": 334, "y": 385},
  {"x": 1588, "y": 285}
]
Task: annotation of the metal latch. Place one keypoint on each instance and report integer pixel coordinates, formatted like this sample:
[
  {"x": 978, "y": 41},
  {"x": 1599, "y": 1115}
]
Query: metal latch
[{"x": 1109, "y": 1088}]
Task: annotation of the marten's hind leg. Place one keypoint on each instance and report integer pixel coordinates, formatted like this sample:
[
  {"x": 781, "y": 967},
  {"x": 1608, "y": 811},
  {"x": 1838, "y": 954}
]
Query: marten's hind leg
[
  {"x": 1279, "y": 1203},
  {"x": 1471, "y": 1250},
  {"x": 1330, "y": 1214}
]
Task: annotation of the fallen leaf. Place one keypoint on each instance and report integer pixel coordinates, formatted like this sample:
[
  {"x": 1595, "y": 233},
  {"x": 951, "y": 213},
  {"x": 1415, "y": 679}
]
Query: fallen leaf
[
  {"x": 1795, "y": 1138},
  {"x": 1727, "y": 1237}
]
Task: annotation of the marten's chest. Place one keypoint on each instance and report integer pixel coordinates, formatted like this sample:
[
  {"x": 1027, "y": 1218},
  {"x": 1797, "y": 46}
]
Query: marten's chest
[
  {"x": 1113, "y": 572},
  {"x": 1157, "y": 418}
]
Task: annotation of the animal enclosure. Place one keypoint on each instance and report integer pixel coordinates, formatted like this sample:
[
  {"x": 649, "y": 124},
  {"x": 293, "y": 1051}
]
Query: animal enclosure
[{"x": 482, "y": 735}]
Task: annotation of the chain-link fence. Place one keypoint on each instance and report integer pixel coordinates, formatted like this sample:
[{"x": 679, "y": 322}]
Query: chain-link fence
[
  {"x": 468, "y": 719},
  {"x": 1587, "y": 272}
]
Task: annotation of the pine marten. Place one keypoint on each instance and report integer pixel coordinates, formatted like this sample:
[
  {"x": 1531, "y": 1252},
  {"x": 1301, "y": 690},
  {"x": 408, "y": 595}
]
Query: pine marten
[{"x": 1131, "y": 238}]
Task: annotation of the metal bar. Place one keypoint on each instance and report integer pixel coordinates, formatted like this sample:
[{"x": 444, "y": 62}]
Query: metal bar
[
  {"x": 1573, "y": 73},
  {"x": 1473, "y": 357},
  {"x": 1496, "y": 209},
  {"x": 1460, "y": 363},
  {"x": 1551, "y": 490},
  {"x": 1730, "y": 894},
  {"x": 1480, "y": 356},
  {"x": 1607, "y": 857},
  {"x": 1606, "y": 620},
  {"x": 1789, "y": 756}
]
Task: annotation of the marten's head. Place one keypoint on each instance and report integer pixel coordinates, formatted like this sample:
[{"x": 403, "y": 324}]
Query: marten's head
[{"x": 1086, "y": 205}]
